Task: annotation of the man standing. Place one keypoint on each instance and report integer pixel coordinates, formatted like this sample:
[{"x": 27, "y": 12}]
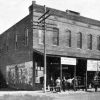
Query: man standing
[
  {"x": 96, "y": 82},
  {"x": 58, "y": 85},
  {"x": 51, "y": 84},
  {"x": 64, "y": 84}
]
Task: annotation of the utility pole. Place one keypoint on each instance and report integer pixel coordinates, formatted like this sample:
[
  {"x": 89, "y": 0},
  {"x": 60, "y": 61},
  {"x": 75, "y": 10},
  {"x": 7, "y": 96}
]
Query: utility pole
[{"x": 41, "y": 20}]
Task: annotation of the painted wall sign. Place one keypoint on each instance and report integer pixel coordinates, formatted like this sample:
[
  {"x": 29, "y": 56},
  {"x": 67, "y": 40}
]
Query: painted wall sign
[
  {"x": 68, "y": 61},
  {"x": 20, "y": 73}
]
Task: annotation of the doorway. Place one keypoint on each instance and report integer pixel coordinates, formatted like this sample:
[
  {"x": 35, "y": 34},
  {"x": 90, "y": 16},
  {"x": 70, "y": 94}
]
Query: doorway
[{"x": 81, "y": 68}]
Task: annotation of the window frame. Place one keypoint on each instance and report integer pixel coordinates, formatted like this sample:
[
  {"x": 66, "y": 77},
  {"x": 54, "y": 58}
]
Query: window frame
[
  {"x": 98, "y": 42},
  {"x": 55, "y": 38},
  {"x": 79, "y": 40},
  {"x": 41, "y": 36},
  {"x": 16, "y": 40},
  {"x": 68, "y": 32},
  {"x": 89, "y": 41},
  {"x": 26, "y": 36}
]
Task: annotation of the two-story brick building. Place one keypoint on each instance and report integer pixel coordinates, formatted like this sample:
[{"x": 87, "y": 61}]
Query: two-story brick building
[{"x": 72, "y": 48}]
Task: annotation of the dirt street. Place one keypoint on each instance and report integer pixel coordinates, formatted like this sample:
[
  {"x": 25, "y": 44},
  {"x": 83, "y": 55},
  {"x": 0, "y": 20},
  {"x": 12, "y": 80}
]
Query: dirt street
[{"x": 39, "y": 95}]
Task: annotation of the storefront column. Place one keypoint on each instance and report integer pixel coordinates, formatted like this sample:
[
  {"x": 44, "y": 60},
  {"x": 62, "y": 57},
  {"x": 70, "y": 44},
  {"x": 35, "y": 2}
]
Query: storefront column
[
  {"x": 61, "y": 72},
  {"x": 33, "y": 71},
  {"x": 86, "y": 80},
  {"x": 74, "y": 77}
]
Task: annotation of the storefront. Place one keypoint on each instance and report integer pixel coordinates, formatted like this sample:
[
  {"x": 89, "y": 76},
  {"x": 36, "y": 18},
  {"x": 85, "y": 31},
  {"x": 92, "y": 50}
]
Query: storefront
[
  {"x": 93, "y": 67},
  {"x": 57, "y": 66},
  {"x": 31, "y": 74}
]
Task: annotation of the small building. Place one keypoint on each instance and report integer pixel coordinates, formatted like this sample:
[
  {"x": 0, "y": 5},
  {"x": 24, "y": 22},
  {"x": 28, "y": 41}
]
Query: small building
[{"x": 72, "y": 49}]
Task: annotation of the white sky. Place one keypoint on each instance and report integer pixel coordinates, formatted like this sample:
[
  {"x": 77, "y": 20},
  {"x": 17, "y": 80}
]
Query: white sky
[{"x": 11, "y": 11}]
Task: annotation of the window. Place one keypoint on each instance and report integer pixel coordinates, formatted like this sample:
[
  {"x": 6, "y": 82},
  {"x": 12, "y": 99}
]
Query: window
[
  {"x": 39, "y": 69},
  {"x": 26, "y": 36},
  {"x": 41, "y": 36},
  {"x": 7, "y": 42},
  {"x": 55, "y": 36},
  {"x": 89, "y": 41},
  {"x": 79, "y": 40},
  {"x": 98, "y": 42},
  {"x": 7, "y": 47},
  {"x": 16, "y": 42},
  {"x": 68, "y": 38},
  {"x": 0, "y": 50}
]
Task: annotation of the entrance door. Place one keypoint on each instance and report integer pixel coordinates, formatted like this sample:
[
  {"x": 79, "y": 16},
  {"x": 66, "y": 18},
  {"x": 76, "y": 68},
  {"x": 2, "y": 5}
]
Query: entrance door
[
  {"x": 68, "y": 71},
  {"x": 53, "y": 68},
  {"x": 81, "y": 71}
]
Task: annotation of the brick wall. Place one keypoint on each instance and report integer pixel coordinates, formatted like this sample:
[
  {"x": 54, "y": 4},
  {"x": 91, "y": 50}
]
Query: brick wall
[
  {"x": 65, "y": 24},
  {"x": 12, "y": 54}
]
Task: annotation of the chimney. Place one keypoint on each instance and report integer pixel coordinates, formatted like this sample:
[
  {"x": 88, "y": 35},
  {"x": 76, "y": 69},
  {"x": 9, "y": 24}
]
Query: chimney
[
  {"x": 33, "y": 2},
  {"x": 72, "y": 12},
  {"x": 31, "y": 7}
]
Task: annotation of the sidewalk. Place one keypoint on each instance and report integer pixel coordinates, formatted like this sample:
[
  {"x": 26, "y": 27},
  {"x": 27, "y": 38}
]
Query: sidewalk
[
  {"x": 93, "y": 90},
  {"x": 48, "y": 93}
]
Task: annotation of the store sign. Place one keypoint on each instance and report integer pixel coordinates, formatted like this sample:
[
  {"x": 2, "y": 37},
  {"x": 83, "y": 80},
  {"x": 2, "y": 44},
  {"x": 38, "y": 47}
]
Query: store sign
[
  {"x": 93, "y": 65},
  {"x": 68, "y": 61},
  {"x": 37, "y": 80}
]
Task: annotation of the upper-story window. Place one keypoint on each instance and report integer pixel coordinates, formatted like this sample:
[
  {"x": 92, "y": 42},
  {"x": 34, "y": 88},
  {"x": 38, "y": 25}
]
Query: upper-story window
[
  {"x": 41, "y": 36},
  {"x": 7, "y": 42},
  {"x": 68, "y": 40},
  {"x": 98, "y": 42},
  {"x": 0, "y": 50},
  {"x": 55, "y": 38},
  {"x": 16, "y": 40},
  {"x": 26, "y": 36},
  {"x": 79, "y": 40},
  {"x": 89, "y": 41}
]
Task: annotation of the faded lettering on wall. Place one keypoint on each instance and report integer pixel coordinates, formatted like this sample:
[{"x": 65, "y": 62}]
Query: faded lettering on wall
[{"x": 19, "y": 73}]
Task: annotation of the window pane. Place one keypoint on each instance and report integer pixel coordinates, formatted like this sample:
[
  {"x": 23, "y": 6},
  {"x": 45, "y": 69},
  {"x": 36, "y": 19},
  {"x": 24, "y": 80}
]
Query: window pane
[
  {"x": 89, "y": 41},
  {"x": 41, "y": 36},
  {"x": 98, "y": 42},
  {"x": 68, "y": 38},
  {"x": 26, "y": 36},
  {"x": 55, "y": 36},
  {"x": 79, "y": 40}
]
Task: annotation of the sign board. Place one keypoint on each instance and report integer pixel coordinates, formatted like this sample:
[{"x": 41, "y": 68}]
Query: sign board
[
  {"x": 37, "y": 80},
  {"x": 68, "y": 61},
  {"x": 93, "y": 65}
]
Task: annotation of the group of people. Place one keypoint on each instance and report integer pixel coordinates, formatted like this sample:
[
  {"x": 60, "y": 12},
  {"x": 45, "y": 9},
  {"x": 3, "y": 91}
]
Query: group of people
[
  {"x": 71, "y": 83},
  {"x": 65, "y": 84}
]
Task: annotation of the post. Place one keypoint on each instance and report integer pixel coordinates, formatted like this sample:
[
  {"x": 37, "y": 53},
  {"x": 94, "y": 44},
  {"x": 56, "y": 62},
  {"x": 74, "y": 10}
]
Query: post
[
  {"x": 74, "y": 77},
  {"x": 32, "y": 15},
  {"x": 44, "y": 53},
  {"x": 61, "y": 72},
  {"x": 42, "y": 20},
  {"x": 86, "y": 80},
  {"x": 97, "y": 67}
]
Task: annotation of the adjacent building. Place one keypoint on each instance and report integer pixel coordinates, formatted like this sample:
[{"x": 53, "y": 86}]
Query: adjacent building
[{"x": 72, "y": 49}]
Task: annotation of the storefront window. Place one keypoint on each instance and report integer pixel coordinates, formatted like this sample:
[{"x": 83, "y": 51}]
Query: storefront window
[{"x": 38, "y": 73}]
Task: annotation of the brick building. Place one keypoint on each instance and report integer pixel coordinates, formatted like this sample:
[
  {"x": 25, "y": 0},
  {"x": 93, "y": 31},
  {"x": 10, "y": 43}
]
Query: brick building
[{"x": 72, "y": 44}]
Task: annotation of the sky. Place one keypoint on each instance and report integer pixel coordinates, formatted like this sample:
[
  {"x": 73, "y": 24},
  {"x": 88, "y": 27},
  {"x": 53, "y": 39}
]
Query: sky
[{"x": 12, "y": 11}]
